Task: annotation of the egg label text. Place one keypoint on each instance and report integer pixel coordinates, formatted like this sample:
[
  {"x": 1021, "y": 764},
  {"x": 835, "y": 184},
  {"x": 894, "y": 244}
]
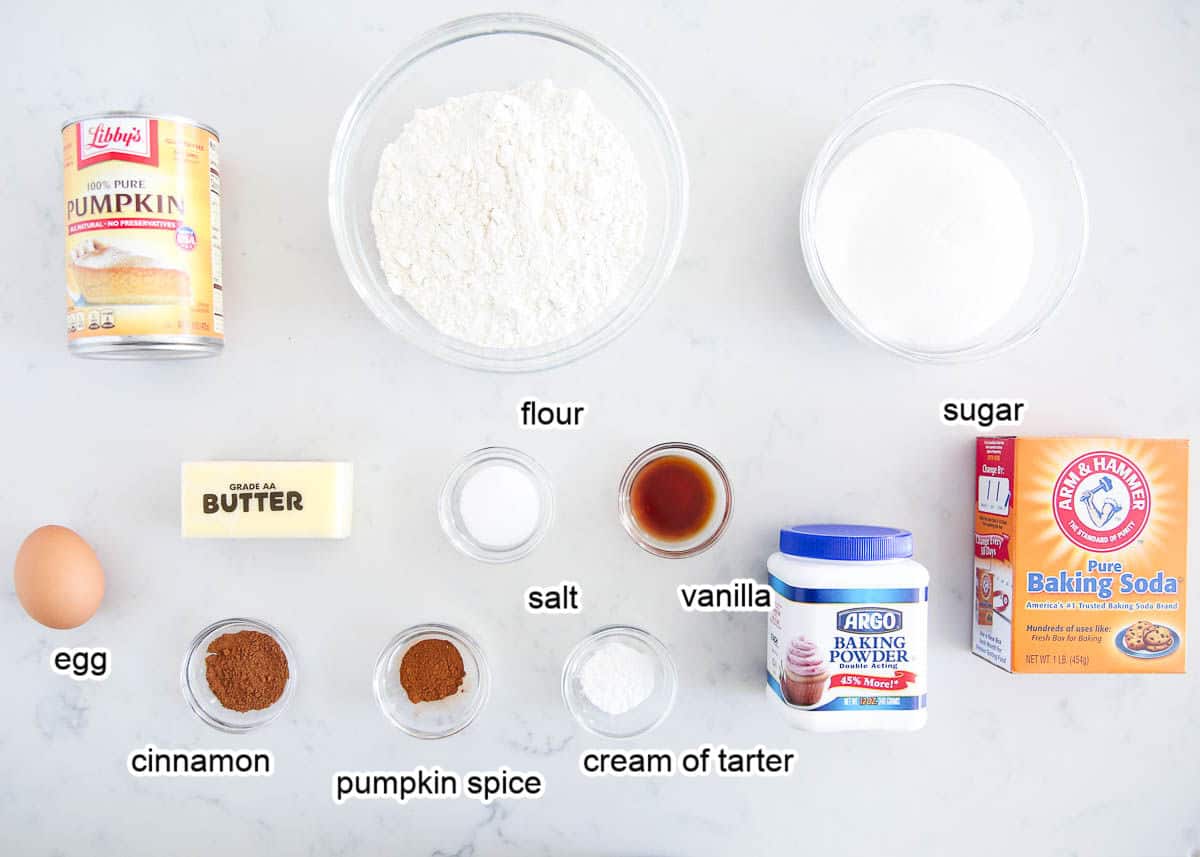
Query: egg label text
[{"x": 81, "y": 664}]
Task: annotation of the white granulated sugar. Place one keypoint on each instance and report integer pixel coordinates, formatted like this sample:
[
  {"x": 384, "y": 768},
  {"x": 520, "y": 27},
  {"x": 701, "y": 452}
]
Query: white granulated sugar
[
  {"x": 926, "y": 236},
  {"x": 510, "y": 219},
  {"x": 617, "y": 678}
]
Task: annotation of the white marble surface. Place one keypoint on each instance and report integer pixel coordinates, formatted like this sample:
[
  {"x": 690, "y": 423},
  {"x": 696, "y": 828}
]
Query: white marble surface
[{"x": 737, "y": 354}]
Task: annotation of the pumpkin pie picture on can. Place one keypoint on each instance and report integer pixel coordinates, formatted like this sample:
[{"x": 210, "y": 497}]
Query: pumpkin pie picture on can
[{"x": 103, "y": 273}]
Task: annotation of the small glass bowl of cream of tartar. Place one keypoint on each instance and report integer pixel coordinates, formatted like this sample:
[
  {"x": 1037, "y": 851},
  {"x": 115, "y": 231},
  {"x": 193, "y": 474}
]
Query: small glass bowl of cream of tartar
[
  {"x": 619, "y": 682},
  {"x": 497, "y": 505}
]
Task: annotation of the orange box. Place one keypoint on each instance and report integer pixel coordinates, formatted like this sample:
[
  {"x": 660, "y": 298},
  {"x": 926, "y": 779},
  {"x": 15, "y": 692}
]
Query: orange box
[{"x": 1081, "y": 554}]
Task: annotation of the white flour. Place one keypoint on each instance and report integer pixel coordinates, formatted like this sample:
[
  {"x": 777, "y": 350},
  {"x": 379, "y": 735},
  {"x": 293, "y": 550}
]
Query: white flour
[
  {"x": 926, "y": 237},
  {"x": 510, "y": 219}
]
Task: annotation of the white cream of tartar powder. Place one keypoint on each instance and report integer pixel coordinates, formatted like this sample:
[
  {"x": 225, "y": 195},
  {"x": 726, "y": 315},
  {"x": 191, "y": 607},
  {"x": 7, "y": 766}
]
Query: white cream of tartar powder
[
  {"x": 617, "y": 678},
  {"x": 847, "y": 638},
  {"x": 926, "y": 237}
]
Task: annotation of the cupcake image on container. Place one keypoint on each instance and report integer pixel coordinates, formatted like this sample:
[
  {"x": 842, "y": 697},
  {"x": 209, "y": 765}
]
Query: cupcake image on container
[{"x": 804, "y": 673}]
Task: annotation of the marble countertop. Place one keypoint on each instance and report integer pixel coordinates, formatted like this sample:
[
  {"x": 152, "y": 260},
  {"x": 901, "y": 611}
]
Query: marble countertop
[{"x": 737, "y": 354}]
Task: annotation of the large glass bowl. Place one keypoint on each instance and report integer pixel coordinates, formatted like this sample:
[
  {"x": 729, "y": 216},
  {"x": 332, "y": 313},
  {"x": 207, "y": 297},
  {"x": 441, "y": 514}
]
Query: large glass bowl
[
  {"x": 497, "y": 52},
  {"x": 1037, "y": 157}
]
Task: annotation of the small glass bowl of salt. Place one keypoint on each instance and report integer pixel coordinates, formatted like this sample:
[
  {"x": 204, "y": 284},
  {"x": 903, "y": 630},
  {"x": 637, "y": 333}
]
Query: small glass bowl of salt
[
  {"x": 497, "y": 505},
  {"x": 619, "y": 682}
]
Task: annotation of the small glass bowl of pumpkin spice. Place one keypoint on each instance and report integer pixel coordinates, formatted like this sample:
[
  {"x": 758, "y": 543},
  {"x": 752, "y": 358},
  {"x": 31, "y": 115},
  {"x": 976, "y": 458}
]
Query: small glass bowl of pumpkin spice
[{"x": 431, "y": 680}]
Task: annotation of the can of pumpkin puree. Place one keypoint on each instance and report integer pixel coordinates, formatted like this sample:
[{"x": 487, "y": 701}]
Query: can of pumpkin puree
[{"x": 142, "y": 197}]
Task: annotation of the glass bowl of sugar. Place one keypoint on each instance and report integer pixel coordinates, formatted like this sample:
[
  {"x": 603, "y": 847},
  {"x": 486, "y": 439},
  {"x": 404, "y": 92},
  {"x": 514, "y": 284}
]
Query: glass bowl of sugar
[
  {"x": 508, "y": 193},
  {"x": 619, "y": 682},
  {"x": 944, "y": 221}
]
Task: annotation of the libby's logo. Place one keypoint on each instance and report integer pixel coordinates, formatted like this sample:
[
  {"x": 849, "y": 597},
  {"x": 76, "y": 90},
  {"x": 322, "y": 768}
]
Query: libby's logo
[
  {"x": 1102, "y": 501},
  {"x": 134, "y": 140},
  {"x": 870, "y": 620}
]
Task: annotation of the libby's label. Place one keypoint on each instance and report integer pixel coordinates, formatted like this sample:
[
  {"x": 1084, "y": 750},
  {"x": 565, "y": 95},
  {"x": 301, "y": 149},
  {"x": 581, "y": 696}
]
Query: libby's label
[
  {"x": 848, "y": 649},
  {"x": 133, "y": 139},
  {"x": 141, "y": 209}
]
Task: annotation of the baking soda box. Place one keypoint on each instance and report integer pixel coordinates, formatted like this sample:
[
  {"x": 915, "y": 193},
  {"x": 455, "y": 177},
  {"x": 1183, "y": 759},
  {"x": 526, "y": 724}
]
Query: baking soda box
[{"x": 1081, "y": 554}]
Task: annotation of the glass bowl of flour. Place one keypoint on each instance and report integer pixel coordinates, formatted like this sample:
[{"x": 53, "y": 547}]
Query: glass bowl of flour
[
  {"x": 508, "y": 193},
  {"x": 944, "y": 221}
]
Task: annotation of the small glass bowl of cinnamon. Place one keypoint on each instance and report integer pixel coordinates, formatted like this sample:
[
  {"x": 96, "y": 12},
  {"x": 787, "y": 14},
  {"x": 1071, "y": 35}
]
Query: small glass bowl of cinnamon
[
  {"x": 238, "y": 674},
  {"x": 431, "y": 680}
]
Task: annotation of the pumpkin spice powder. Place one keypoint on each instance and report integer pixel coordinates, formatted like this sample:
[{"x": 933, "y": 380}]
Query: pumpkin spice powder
[{"x": 431, "y": 670}]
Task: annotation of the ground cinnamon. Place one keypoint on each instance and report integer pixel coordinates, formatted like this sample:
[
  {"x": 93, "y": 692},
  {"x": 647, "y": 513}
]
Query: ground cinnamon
[
  {"x": 431, "y": 670},
  {"x": 247, "y": 671}
]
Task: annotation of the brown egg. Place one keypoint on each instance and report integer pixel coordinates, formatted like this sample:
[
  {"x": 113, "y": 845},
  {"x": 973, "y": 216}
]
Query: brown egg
[{"x": 58, "y": 577}]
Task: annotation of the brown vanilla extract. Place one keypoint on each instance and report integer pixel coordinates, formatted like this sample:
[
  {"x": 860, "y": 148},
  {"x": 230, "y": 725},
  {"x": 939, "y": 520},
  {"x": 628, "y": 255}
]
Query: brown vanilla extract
[{"x": 672, "y": 498}]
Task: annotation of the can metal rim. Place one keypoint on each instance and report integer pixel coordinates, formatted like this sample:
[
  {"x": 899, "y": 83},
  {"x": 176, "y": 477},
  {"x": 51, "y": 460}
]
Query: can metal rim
[
  {"x": 146, "y": 346},
  {"x": 133, "y": 114}
]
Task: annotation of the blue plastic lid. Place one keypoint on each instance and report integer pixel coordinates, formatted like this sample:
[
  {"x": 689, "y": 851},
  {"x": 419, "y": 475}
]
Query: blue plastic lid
[{"x": 846, "y": 542}]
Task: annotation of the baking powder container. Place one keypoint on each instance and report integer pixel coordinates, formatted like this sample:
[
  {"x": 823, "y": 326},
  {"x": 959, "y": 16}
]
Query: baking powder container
[{"x": 847, "y": 637}]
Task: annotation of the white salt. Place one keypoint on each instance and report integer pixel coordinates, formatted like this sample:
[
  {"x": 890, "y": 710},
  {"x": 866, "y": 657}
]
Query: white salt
[
  {"x": 926, "y": 236},
  {"x": 499, "y": 505}
]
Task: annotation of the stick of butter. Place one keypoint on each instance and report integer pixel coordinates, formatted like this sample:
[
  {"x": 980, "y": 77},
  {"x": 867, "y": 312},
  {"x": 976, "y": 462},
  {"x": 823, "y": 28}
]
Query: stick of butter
[{"x": 266, "y": 499}]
